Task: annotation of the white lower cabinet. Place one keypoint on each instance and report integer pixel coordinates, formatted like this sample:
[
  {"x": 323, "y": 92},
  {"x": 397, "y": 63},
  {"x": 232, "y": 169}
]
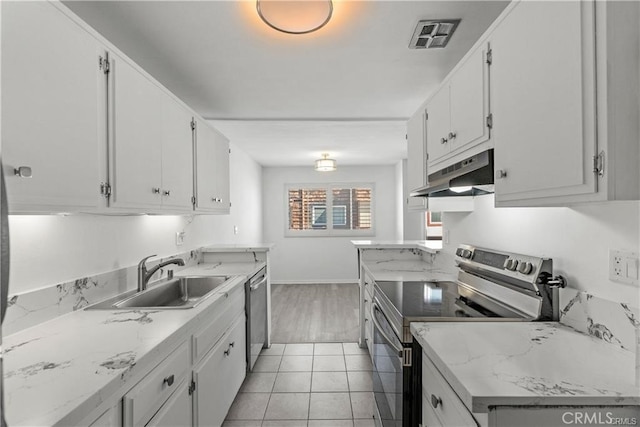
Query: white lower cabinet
[
  {"x": 177, "y": 411},
  {"x": 219, "y": 376},
  {"x": 441, "y": 406}
]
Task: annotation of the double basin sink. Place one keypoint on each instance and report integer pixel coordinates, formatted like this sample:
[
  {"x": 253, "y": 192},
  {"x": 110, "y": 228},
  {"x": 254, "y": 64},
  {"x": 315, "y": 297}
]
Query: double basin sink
[{"x": 175, "y": 293}]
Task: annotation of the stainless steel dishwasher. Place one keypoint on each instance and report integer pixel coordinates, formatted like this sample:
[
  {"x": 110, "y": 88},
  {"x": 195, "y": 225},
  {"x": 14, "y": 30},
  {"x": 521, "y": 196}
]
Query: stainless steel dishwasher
[{"x": 256, "y": 308}]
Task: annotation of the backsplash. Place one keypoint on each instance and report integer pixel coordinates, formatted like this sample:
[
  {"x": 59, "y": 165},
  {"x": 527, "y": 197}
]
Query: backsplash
[
  {"x": 612, "y": 322},
  {"x": 34, "y": 307}
]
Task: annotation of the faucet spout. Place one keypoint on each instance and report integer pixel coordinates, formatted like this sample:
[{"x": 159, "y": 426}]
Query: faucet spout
[{"x": 144, "y": 275}]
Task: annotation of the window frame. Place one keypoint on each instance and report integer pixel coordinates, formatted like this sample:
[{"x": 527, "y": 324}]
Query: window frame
[{"x": 329, "y": 231}]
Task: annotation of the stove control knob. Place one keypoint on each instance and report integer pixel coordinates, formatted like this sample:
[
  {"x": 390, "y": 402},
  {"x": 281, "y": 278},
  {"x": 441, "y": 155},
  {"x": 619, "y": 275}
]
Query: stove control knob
[
  {"x": 466, "y": 253},
  {"x": 525, "y": 268},
  {"x": 511, "y": 264},
  {"x": 459, "y": 251}
]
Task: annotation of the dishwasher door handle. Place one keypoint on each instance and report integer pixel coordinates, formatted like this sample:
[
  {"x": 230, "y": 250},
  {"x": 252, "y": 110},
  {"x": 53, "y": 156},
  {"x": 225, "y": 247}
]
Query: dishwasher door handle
[{"x": 255, "y": 286}]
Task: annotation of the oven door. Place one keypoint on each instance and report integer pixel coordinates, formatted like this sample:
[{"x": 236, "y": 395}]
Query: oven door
[{"x": 387, "y": 369}]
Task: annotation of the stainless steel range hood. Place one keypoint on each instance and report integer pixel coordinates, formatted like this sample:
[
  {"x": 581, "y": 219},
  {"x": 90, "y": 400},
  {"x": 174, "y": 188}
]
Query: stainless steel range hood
[{"x": 475, "y": 172}]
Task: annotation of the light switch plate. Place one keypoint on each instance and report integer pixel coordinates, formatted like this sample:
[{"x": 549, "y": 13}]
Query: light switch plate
[{"x": 180, "y": 238}]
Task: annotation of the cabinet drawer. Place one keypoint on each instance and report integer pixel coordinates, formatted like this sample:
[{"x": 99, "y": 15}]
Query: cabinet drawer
[
  {"x": 228, "y": 309},
  {"x": 441, "y": 399},
  {"x": 142, "y": 401}
]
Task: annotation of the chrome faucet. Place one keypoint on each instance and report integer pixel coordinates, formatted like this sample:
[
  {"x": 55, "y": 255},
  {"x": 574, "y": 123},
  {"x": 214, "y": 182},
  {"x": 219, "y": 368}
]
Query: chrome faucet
[{"x": 144, "y": 275}]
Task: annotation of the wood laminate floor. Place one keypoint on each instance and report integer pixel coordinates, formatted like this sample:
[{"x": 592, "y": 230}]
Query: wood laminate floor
[{"x": 314, "y": 313}]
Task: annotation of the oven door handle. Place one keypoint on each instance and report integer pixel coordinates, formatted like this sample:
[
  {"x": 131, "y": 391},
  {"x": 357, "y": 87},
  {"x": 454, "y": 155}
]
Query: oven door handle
[{"x": 374, "y": 307}]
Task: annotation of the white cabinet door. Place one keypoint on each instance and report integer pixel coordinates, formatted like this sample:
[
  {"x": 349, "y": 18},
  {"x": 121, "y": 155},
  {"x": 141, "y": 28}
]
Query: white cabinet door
[
  {"x": 416, "y": 162},
  {"x": 176, "y": 412},
  {"x": 212, "y": 170},
  {"x": 542, "y": 99},
  {"x": 136, "y": 143},
  {"x": 51, "y": 116},
  {"x": 469, "y": 99},
  {"x": 219, "y": 377},
  {"x": 177, "y": 155},
  {"x": 438, "y": 125}
]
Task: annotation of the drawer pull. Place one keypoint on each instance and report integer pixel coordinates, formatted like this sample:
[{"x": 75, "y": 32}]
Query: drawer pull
[
  {"x": 169, "y": 380},
  {"x": 435, "y": 401},
  {"x": 232, "y": 344}
]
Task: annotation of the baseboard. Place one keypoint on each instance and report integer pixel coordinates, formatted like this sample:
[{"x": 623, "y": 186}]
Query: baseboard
[{"x": 314, "y": 282}]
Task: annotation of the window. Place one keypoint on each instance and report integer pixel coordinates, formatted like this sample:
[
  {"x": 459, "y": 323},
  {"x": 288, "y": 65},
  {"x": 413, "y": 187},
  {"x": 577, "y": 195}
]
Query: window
[{"x": 330, "y": 210}]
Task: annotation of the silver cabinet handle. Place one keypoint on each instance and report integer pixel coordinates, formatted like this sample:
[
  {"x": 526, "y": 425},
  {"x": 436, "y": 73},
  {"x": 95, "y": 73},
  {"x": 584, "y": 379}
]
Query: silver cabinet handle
[
  {"x": 452, "y": 135},
  {"x": 443, "y": 140},
  {"x": 167, "y": 192},
  {"x": 155, "y": 190},
  {"x": 501, "y": 173},
  {"x": 435, "y": 401},
  {"x": 216, "y": 199},
  {"x": 375, "y": 307},
  {"x": 23, "y": 171}
]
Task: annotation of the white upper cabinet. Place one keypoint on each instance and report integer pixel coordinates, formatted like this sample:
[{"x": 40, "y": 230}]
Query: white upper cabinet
[
  {"x": 212, "y": 170},
  {"x": 457, "y": 113},
  {"x": 136, "y": 143},
  {"x": 177, "y": 155},
  {"x": 543, "y": 100},
  {"x": 51, "y": 110},
  {"x": 416, "y": 165},
  {"x": 151, "y": 147}
]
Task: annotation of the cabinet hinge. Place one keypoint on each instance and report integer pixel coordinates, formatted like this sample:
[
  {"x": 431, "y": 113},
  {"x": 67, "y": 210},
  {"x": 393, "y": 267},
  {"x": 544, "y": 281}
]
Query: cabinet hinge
[
  {"x": 103, "y": 64},
  {"x": 105, "y": 189},
  {"x": 192, "y": 387},
  {"x": 193, "y": 124},
  {"x": 598, "y": 164},
  {"x": 426, "y": 115},
  {"x": 193, "y": 200},
  {"x": 406, "y": 356},
  {"x": 490, "y": 56},
  {"x": 490, "y": 121}
]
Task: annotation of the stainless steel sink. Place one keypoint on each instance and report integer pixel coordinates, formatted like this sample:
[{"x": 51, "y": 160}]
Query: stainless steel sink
[{"x": 176, "y": 293}]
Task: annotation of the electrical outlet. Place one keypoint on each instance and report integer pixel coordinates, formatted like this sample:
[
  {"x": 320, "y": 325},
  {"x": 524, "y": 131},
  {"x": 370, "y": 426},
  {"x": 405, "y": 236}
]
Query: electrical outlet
[
  {"x": 623, "y": 266},
  {"x": 180, "y": 238}
]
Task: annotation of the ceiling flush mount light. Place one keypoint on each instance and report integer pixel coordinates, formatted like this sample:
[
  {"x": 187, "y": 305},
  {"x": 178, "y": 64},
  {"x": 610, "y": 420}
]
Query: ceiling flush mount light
[
  {"x": 295, "y": 16},
  {"x": 325, "y": 164},
  {"x": 432, "y": 34}
]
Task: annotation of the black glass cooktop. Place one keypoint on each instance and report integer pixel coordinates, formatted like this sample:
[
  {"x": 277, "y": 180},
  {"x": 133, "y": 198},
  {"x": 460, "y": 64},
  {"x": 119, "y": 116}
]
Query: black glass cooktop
[{"x": 422, "y": 299}]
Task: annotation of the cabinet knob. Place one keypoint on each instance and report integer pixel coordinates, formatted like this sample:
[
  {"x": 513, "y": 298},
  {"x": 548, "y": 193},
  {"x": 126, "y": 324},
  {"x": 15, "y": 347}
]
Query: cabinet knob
[
  {"x": 435, "y": 401},
  {"x": 501, "y": 173},
  {"x": 452, "y": 135},
  {"x": 169, "y": 380},
  {"x": 167, "y": 192},
  {"x": 23, "y": 171},
  {"x": 155, "y": 190},
  {"x": 443, "y": 140},
  {"x": 216, "y": 199}
]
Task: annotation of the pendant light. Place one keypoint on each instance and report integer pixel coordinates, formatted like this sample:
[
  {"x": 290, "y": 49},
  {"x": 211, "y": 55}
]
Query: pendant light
[
  {"x": 295, "y": 16},
  {"x": 325, "y": 164}
]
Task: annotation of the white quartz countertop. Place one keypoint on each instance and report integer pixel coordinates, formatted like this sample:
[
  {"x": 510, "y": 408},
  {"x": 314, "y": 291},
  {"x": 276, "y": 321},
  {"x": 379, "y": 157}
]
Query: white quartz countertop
[
  {"x": 432, "y": 246},
  {"x": 58, "y": 372},
  {"x": 222, "y": 269},
  {"x": 406, "y": 270},
  {"x": 528, "y": 363},
  {"x": 248, "y": 247}
]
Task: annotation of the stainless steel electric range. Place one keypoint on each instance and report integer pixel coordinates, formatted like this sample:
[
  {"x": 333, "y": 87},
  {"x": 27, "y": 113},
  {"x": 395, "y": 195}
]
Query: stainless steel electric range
[{"x": 491, "y": 286}]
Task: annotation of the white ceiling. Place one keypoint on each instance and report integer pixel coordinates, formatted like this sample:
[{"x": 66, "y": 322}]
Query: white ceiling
[{"x": 346, "y": 89}]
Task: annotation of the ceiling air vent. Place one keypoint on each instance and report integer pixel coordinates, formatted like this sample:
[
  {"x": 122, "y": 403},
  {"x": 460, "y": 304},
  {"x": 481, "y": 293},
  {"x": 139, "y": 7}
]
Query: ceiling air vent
[{"x": 432, "y": 34}]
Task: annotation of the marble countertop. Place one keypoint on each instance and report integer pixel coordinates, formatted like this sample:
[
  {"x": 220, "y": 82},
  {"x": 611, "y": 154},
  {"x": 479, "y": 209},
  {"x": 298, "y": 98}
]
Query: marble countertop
[
  {"x": 222, "y": 269},
  {"x": 432, "y": 246},
  {"x": 58, "y": 372},
  {"x": 247, "y": 247},
  {"x": 528, "y": 363},
  {"x": 406, "y": 270}
]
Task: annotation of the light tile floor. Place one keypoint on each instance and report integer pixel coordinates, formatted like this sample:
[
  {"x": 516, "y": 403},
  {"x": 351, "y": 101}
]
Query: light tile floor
[{"x": 306, "y": 385}]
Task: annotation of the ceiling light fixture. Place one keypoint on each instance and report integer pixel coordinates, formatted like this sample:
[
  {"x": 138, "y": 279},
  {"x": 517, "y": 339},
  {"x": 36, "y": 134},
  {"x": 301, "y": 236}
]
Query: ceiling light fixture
[
  {"x": 325, "y": 164},
  {"x": 295, "y": 16}
]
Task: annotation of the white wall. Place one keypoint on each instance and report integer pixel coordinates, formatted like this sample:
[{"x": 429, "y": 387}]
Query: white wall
[
  {"x": 578, "y": 239},
  {"x": 322, "y": 259},
  {"x": 414, "y": 225},
  {"x": 49, "y": 249}
]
